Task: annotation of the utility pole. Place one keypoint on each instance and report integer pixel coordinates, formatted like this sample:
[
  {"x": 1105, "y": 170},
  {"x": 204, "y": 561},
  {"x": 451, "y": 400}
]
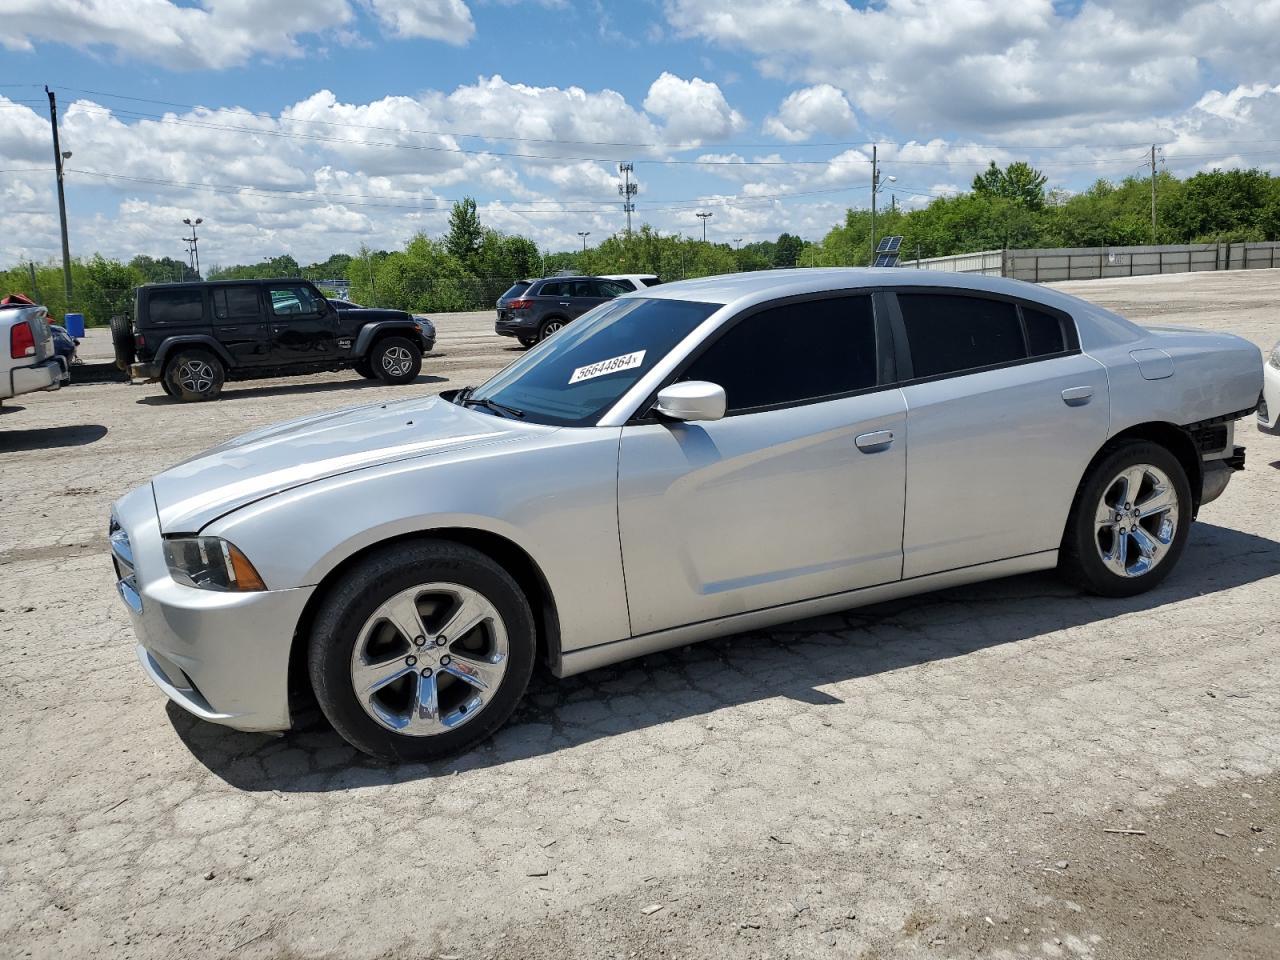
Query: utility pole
[
  {"x": 628, "y": 190},
  {"x": 58, "y": 157},
  {"x": 584, "y": 234},
  {"x": 1153, "y": 194},
  {"x": 875, "y": 187},
  {"x": 35, "y": 287},
  {"x": 704, "y": 216}
]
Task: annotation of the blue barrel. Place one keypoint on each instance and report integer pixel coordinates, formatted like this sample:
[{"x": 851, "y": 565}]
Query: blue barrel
[{"x": 74, "y": 322}]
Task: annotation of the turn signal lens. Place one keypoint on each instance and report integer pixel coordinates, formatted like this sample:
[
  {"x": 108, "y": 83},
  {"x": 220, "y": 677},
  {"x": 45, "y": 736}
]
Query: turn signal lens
[{"x": 210, "y": 563}]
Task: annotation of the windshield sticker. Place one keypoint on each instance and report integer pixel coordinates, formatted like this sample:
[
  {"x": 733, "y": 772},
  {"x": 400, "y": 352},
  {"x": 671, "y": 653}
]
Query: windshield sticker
[{"x": 627, "y": 361}]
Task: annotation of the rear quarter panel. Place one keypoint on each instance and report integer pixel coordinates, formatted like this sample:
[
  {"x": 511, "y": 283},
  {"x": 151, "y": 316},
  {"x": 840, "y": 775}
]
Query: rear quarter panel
[{"x": 1214, "y": 375}]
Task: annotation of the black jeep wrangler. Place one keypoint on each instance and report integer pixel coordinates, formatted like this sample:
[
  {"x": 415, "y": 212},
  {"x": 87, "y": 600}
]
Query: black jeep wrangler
[{"x": 193, "y": 337}]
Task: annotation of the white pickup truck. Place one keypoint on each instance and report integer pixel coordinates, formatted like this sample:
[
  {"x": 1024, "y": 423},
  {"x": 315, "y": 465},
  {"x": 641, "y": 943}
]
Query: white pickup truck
[{"x": 27, "y": 360}]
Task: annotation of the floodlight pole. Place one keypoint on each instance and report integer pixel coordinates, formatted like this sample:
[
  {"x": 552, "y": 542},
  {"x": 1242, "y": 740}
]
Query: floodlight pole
[{"x": 704, "y": 216}]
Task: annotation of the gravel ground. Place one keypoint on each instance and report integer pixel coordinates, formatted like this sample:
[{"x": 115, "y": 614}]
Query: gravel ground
[{"x": 933, "y": 777}]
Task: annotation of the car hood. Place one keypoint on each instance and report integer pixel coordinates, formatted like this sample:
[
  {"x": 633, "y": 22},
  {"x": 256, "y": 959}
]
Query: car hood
[
  {"x": 287, "y": 455},
  {"x": 370, "y": 314}
]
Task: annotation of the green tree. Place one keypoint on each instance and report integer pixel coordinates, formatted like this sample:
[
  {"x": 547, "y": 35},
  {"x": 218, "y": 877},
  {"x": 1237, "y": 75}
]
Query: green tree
[
  {"x": 465, "y": 233},
  {"x": 1019, "y": 182}
]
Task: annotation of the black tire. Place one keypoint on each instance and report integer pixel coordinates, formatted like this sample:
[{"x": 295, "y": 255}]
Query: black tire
[
  {"x": 362, "y": 367},
  {"x": 164, "y": 385},
  {"x": 353, "y": 601},
  {"x": 122, "y": 341},
  {"x": 528, "y": 341},
  {"x": 1084, "y": 541},
  {"x": 550, "y": 326},
  {"x": 194, "y": 375},
  {"x": 396, "y": 360}
]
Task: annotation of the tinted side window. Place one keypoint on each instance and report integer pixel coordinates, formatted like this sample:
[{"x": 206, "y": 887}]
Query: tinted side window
[
  {"x": 948, "y": 333},
  {"x": 235, "y": 303},
  {"x": 650, "y": 281},
  {"x": 552, "y": 288},
  {"x": 793, "y": 353},
  {"x": 1044, "y": 332},
  {"x": 613, "y": 288},
  {"x": 626, "y": 285},
  {"x": 175, "y": 307},
  {"x": 584, "y": 288}
]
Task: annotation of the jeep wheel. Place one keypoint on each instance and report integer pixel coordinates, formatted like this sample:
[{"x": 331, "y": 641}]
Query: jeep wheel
[
  {"x": 362, "y": 367},
  {"x": 396, "y": 360},
  {"x": 122, "y": 341},
  {"x": 194, "y": 375}
]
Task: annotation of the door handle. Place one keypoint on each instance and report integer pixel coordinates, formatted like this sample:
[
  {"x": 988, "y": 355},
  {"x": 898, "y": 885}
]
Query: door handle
[
  {"x": 873, "y": 442},
  {"x": 564, "y": 303},
  {"x": 1077, "y": 396}
]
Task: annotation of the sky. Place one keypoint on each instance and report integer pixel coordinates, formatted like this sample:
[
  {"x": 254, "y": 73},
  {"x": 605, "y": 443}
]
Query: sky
[{"x": 310, "y": 127}]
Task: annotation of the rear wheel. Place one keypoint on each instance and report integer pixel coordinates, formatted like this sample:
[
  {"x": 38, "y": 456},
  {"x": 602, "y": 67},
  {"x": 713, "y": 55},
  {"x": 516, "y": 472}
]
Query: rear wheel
[
  {"x": 396, "y": 360},
  {"x": 1130, "y": 521},
  {"x": 528, "y": 341},
  {"x": 122, "y": 341},
  {"x": 193, "y": 375},
  {"x": 362, "y": 367},
  {"x": 421, "y": 651},
  {"x": 550, "y": 327}
]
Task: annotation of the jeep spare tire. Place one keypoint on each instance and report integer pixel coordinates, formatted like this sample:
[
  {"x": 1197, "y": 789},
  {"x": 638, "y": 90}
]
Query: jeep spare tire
[
  {"x": 122, "y": 341},
  {"x": 396, "y": 360}
]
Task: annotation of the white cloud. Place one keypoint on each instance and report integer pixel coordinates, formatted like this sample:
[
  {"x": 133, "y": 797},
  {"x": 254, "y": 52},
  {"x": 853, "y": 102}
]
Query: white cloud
[
  {"x": 996, "y": 65},
  {"x": 447, "y": 20},
  {"x": 695, "y": 110},
  {"x": 808, "y": 111}
]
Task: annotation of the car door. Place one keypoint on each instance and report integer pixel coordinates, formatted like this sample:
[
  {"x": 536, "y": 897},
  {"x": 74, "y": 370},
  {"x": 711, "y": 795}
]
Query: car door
[
  {"x": 796, "y": 493},
  {"x": 1004, "y": 413},
  {"x": 303, "y": 327},
  {"x": 240, "y": 324}
]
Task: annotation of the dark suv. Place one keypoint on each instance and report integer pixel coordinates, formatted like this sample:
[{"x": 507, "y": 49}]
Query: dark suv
[
  {"x": 192, "y": 337},
  {"x": 532, "y": 310}
]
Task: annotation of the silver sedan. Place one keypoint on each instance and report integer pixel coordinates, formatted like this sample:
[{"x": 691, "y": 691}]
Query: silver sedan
[{"x": 688, "y": 461}]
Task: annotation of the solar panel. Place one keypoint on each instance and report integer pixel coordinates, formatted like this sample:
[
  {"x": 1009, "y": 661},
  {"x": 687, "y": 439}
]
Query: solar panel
[
  {"x": 886, "y": 260},
  {"x": 889, "y": 245}
]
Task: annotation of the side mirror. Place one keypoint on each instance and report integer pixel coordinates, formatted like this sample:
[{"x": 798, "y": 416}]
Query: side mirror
[{"x": 692, "y": 400}]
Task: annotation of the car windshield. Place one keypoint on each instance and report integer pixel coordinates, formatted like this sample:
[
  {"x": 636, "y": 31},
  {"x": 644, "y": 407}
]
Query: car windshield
[{"x": 573, "y": 378}]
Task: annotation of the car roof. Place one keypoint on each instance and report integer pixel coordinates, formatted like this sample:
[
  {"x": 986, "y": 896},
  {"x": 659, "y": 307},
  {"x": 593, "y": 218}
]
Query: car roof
[
  {"x": 224, "y": 283},
  {"x": 742, "y": 290}
]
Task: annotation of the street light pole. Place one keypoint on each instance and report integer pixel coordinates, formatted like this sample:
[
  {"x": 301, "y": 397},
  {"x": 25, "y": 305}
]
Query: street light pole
[
  {"x": 875, "y": 189},
  {"x": 58, "y": 157},
  {"x": 584, "y": 234},
  {"x": 704, "y": 216},
  {"x": 195, "y": 242}
]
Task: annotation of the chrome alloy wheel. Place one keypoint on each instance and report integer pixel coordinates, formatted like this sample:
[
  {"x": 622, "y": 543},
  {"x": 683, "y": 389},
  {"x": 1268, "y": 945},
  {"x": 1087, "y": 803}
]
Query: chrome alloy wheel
[
  {"x": 397, "y": 361},
  {"x": 429, "y": 659},
  {"x": 195, "y": 376},
  {"x": 551, "y": 327},
  {"x": 1136, "y": 520}
]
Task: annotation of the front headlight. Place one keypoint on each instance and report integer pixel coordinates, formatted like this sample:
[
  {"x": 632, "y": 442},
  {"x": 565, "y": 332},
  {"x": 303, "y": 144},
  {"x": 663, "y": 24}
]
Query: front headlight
[
  {"x": 426, "y": 326},
  {"x": 210, "y": 563},
  {"x": 1274, "y": 359}
]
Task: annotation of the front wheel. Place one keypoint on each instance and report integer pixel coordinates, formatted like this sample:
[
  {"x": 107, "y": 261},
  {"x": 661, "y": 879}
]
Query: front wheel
[
  {"x": 527, "y": 341},
  {"x": 396, "y": 360},
  {"x": 1130, "y": 521},
  {"x": 422, "y": 651},
  {"x": 362, "y": 367}
]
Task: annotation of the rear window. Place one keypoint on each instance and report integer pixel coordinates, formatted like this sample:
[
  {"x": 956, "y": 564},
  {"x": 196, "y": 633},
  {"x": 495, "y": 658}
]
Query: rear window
[
  {"x": 176, "y": 307},
  {"x": 230, "y": 303},
  {"x": 650, "y": 281},
  {"x": 950, "y": 333},
  {"x": 552, "y": 288},
  {"x": 517, "y": 288},
  {"x": 1044, "y": 332}
]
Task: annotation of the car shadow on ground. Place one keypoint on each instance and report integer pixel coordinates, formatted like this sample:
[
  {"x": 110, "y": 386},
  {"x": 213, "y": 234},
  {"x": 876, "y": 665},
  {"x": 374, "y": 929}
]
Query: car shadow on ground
[
  {"x": 47, "y": 438},
  {"x": 234, "y": 391},
  {"x": 794, "y": 660}
]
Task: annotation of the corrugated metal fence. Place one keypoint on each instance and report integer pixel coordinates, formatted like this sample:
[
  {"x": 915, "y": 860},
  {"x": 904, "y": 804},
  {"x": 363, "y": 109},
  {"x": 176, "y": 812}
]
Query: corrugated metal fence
[{"x": 1091, "y": 263}]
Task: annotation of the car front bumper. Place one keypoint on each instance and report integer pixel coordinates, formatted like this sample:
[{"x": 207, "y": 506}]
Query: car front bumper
[
  {"x": 1269, "y": 406},
  {"x": 223, "y": 657}
]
